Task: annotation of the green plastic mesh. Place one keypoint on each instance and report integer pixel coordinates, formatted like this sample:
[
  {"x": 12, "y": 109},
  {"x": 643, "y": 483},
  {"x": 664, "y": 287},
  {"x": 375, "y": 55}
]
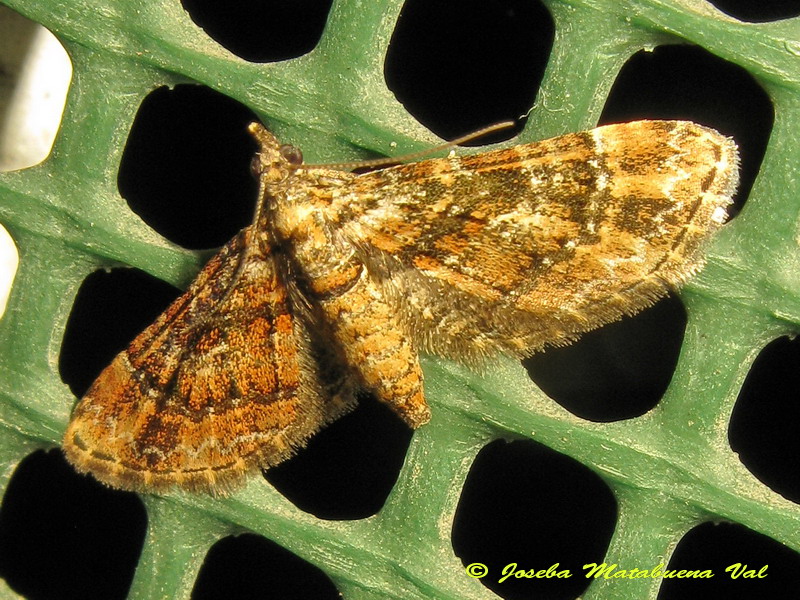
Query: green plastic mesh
[{"x": 669, "y": 469}]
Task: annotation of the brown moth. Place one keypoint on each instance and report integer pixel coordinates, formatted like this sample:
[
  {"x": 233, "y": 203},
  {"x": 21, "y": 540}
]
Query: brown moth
[{"x": 342, "y": 279}]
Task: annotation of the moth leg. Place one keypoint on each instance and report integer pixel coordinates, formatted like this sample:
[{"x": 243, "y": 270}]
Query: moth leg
[{"x": 375, "y": 344}]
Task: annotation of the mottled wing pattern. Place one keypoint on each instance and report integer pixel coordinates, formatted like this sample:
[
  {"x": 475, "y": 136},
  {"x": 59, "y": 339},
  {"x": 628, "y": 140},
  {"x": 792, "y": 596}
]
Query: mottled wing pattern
[
  {"x": 513, "y": 249},
  {"x": 343, "y": 278},
  {"x": 224, "y": 382}
]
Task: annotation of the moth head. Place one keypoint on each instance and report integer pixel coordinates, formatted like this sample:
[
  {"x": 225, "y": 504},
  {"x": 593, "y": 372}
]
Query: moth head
[{"x": 273, "y": 161}]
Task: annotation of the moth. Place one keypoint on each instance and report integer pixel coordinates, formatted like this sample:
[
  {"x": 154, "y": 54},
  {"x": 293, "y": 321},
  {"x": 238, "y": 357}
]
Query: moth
[{"x": 342, "y": 280}]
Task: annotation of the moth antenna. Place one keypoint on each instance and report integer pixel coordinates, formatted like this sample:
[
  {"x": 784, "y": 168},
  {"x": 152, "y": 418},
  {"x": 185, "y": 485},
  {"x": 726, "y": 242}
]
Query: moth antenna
[{"x": 391, "y": 160}]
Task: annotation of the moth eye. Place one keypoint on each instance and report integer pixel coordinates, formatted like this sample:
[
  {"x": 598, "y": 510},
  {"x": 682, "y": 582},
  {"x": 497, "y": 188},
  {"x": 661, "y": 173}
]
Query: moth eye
[{"x": 292, "y": 155}]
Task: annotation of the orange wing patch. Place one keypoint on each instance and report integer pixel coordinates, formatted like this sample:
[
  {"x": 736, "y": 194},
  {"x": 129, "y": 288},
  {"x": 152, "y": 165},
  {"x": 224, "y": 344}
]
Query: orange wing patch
[{"x": 210, "y": 391}]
